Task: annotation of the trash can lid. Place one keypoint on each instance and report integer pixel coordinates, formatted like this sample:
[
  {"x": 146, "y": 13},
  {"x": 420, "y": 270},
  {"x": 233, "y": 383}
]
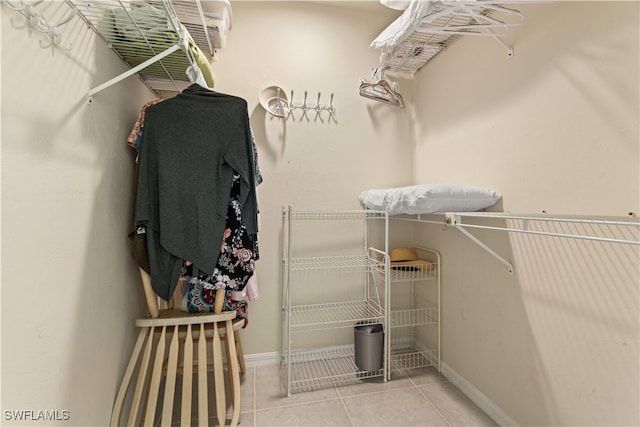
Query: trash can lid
[{"x": 370, "y": 328}]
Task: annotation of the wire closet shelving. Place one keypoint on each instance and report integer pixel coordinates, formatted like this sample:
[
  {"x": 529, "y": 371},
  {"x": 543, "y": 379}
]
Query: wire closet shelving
[
  {"x": 156, "y": 38},
  {"x": 443, "y": 23},
  {"x": 313, "y": 367},
  {"x": 613, "y": 230}
]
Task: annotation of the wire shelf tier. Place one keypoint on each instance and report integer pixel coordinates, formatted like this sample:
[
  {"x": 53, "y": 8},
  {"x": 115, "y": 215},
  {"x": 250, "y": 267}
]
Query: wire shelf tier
[
  {"x": 328, "y": 367},
  {"x": 335, "y": 315},
  {"x": 158, "y": 39},
  {"x": 413, "y": 317},
  {"x": 411, "y": 358},
  {"x": 135, "y": 36},
  {"x": 444, "y": 24},
  {"x": 333, "y": 215},
  {"x": 337, "y": 263},
  {"x": 412, "y": 274}
]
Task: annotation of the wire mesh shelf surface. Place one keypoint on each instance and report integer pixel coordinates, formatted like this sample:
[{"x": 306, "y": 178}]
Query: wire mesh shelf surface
[
  {"x": 135, "y": 34},
  {"x": 151, "y": 38},
  {"x": 411, "y": 358},
  {"x": 413, "y": 317},
  {"x": 427, "y": 271},
  {"x": 338, "y": 263},
  {"x": 332, "y": 215},
  {"x": 329, "y": 367},
  {"x": 335, "y": 315},
  {"x": 445, "y": 24}
]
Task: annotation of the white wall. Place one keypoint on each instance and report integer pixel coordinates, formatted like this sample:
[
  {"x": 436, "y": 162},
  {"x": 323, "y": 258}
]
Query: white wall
[
  {"x": 555, "y": 129},
  {"x": 70, "y": 290}
]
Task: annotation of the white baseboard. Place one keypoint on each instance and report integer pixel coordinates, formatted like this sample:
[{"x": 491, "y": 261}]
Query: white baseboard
[
  {"x": 477, "y": 397},
  {"x": 262, "y": 359}
]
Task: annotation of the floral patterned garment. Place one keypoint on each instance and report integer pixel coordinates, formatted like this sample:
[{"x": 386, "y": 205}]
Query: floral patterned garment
[{"x": 236, "y": 263}]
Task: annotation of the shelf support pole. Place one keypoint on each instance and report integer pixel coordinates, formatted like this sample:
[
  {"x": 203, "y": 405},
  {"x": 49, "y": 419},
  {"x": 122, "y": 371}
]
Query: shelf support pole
[{"x": 134, "y": 70}]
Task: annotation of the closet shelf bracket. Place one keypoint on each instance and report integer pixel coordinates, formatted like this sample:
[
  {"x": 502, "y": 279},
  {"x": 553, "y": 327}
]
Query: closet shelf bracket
[
  {"x": 134, "y": 70},
  {"x": 454, "y": 220}
]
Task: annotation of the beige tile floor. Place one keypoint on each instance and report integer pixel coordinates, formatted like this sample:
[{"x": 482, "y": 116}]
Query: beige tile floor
[{"x": 418, "y": 397}]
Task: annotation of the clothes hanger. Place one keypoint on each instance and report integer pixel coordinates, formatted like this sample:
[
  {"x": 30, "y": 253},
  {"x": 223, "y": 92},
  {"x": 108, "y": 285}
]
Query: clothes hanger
[
  {"x": 381, "y": 90},
  {"x": 193, "y": 71},
  {"x": 195, "y": 76}
]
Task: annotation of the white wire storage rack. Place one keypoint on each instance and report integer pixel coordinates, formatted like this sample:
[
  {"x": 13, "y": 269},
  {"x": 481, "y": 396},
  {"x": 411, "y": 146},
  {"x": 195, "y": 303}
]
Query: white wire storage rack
[
  {"x": 332, "y": 308},
  {"x": 407, "y": 346}
]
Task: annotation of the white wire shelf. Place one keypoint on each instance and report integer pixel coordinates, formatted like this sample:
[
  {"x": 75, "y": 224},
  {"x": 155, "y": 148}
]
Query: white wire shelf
[
  {"x": 411, "y": 358},
  {"x": 121, "y": 28},
  {"x": 444, "y": 24},
  {"x": 332, "y": 215},
  {"x": 327, "y": 367},
  {"x": 335, "y": 315},
  {"x": 153, "y": 37},
  {"x": 413, "y": 317},
  {"x": 427, "y": 270},
  {"x": 338, "y": 263},
  {"x": 411, "y": 274}
]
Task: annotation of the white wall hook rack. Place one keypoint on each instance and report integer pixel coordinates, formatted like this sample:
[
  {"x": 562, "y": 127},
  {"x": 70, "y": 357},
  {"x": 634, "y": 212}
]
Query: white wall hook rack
[
  {"x": 36, "y": 20},
  {"x": 318, "y": 107}
]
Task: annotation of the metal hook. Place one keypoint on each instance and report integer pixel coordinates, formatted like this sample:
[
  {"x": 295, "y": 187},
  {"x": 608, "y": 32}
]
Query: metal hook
[
  {"x": 332, "y": 110},
  {"x": 305, "y": 108},
  {"x": 318, "y": 111},
  {"x": 33, "y": 19}
]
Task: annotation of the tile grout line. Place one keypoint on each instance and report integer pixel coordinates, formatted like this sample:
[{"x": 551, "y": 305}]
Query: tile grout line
[
  {"x": 344, "y": 405},
  {"x": 297, "y": 404},
  {"x": 446, "y": 420},
  {"x": 255, "y": 397}
]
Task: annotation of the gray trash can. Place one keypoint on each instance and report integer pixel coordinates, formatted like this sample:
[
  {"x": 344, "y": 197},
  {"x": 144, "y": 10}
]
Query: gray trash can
[{"x": 368, "y": 341}]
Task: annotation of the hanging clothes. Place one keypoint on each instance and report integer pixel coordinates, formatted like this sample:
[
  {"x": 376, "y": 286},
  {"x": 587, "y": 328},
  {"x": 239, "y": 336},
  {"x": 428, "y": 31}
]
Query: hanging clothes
[
  {"x": 135, "y": 136},
  {"x": 236, "y": 265},
  {"x": 191, "y": 147}
]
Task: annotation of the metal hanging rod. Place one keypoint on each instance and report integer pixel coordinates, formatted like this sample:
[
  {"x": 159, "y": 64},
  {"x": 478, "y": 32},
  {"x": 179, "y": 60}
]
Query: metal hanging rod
[
  {"x": 525, "y": 225},
  {"x": 456, "y": 219}
]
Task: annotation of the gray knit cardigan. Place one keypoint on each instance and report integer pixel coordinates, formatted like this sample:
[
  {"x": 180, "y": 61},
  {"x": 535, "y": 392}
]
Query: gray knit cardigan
[{"x": 191, "y": 146}]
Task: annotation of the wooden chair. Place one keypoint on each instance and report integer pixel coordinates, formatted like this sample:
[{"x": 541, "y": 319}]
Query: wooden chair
[{"x": 170, "y": 343}]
